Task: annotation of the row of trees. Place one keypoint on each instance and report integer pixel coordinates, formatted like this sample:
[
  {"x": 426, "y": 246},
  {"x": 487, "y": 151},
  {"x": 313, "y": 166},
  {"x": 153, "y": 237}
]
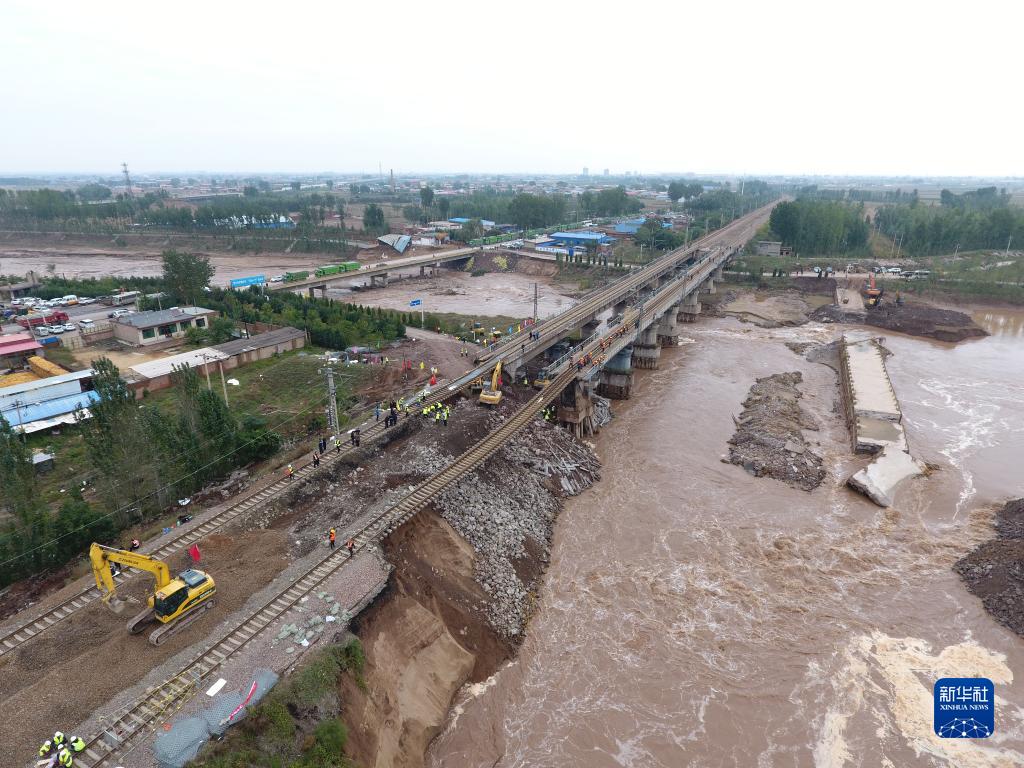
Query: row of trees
[
  {"x": 609, "y": 202},
  {"x": 820, "y": 226},
  {"x": 331, "y": 324},
  {"x": 932, "y": 230},
  {"x": 143, "y": 458}
]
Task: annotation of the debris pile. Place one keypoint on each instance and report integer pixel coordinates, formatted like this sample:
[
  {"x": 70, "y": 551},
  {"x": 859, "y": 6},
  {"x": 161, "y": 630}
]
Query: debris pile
[
  {"x": 769, "y": 438},
  {"x": 324, "y": 616},
  {"x": 993, "y": 570},
  {"x": 507, "y": 514},
  {"x": 911, "y": 318}
]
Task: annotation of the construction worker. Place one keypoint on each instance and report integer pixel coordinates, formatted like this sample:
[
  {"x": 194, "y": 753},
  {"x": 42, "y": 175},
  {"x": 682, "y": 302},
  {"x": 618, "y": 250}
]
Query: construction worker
[
  {"x": 46, "y": 749},
  {"x": 290, "y": 471},
  {"x": 437, "y": 417},
  {"x": 64, "y": 758},
  {"x": 77, "y": 744},
  {"x": 444, "y": 416},
  {"x": 58, "y": 739},
  {"x": 332, "y": 536},
  {"x": 350, "y": 545}
]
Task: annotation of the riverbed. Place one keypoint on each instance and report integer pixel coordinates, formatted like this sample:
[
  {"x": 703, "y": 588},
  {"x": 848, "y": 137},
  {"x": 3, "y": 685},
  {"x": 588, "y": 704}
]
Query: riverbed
[{"x": 694, "y": 615}]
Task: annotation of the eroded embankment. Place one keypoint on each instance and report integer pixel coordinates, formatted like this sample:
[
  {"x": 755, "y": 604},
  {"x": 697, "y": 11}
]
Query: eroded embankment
[
  {"x": 994, "y": 572},
  {"x": 460, "y": 596}
]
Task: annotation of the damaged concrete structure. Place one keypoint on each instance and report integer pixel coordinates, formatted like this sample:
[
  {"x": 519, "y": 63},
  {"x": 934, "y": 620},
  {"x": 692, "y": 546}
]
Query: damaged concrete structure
[{"x": 875, "y": 420}]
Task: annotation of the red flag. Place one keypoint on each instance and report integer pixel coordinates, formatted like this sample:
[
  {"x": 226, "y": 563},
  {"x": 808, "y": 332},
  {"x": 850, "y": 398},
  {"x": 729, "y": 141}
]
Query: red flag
[{"x": 193, "y": 552}]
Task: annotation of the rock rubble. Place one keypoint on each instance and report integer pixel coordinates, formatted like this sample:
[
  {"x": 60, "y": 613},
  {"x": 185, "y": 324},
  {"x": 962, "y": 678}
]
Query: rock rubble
[{"x": 769, "y": 437}]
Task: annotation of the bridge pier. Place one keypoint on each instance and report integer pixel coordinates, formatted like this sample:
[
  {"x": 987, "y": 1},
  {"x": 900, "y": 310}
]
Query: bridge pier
[
  {"x": 381, "y": 280},
  {"x": 617, "y": 376},
  {"x": 668, "y": 332},
  {"x": 646, "y": 349},
  {"x": 575, "y": 410},
  {"x": 719, "y": 274},
  {"x": 708, "y": 286},
  {"x": 690, "y": 308}
]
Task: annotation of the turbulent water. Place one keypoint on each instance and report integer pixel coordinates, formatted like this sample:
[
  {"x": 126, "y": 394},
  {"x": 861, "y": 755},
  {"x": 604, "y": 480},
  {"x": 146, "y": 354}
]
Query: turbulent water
[{"x": 694, "y": 615}]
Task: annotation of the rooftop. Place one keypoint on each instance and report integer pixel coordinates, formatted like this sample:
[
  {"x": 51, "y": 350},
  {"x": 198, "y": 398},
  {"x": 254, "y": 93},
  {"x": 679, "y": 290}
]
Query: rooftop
[
  {"x": 157, "y": 317},
  {"x": 165, "y": 365},
  {"x": 29, "y": 386},
  {"x": 24, "y": 413},
  {"x": 259, "y": 341}
]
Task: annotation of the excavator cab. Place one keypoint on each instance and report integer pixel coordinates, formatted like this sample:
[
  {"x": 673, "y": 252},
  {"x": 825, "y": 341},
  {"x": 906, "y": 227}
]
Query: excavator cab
[{"x": 184, "y": 593}]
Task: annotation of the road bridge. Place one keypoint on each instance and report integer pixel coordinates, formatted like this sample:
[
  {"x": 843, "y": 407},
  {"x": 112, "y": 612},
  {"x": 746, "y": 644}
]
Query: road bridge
[{"x": 378, "y": 273}]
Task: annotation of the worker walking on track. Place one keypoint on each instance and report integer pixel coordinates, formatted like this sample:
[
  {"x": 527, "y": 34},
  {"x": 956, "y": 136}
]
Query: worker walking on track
[
  {"x": 290, "y": 471},
  {"x": 332, "y": 536},
  {"x": 350, "y": 545}
]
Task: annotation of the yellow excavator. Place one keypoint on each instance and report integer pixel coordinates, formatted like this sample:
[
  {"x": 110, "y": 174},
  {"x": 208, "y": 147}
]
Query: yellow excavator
[
  {"x": 491, "y": 395},
  {"x": 174, "y": 604}
]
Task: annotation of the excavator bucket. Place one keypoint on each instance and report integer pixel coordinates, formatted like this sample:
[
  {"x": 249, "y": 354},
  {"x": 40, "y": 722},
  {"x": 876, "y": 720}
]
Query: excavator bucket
[{"x": 114, "y": 603}]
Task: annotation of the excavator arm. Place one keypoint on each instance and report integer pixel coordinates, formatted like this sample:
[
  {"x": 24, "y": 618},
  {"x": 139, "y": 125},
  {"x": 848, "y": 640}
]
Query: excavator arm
[
  {"x": 101, "y": 557},
  {"x": 496, "y": 378}
]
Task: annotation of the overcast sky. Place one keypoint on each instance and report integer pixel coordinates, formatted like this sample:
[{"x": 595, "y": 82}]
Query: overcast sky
[{"x": 894, "y": 87}]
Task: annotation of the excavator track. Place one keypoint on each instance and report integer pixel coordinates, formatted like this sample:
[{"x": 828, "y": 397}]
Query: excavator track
[{"x": 166, "y": 631}]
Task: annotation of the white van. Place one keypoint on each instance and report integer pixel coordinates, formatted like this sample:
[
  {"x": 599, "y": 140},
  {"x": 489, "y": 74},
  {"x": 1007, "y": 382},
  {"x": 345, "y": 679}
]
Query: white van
[{"x": 69, "y": 300}]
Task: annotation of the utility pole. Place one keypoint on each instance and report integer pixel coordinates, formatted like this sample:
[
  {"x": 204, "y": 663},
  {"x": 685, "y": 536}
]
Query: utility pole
[
  {"x": 332, "y": 401},
  {"x": 1007, "y": 255},
  {"x": 127, "y": 182},
  {"x": 223, "y": 383}
]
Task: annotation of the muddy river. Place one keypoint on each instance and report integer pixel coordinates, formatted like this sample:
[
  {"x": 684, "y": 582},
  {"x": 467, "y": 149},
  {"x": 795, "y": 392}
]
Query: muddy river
[{"x": 694, "y": 615}]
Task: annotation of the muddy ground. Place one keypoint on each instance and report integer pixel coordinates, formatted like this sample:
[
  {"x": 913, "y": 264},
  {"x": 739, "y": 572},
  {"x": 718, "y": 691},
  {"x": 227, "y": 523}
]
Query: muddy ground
[
  {"x": 912, "y": 318},
  {"x": 994, "y": 571},
  {"x": 769, "y": 440}
]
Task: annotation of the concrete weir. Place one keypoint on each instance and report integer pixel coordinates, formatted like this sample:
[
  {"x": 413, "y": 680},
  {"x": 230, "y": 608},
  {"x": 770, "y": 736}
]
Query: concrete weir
[{"x": 875, "y": 420}]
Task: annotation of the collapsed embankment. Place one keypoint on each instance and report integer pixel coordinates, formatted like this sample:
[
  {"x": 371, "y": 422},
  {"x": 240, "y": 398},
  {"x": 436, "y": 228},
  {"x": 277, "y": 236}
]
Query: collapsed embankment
[
  {"x": 461, "y": 594},
  {"x": 993, "y": 571}
]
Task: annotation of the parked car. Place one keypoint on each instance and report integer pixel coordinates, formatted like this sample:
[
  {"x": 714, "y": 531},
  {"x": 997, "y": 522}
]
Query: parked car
[
  {"x": 277, "y": 278},
  {"x": 87, "y": 300},
  {"x": 70, "y": 327},
  {"x": 41, "y": 330},
  {"x": 118, "y": 313},
  {"x": 894, "y": 270},
  {"x": 86, "y": 322}
]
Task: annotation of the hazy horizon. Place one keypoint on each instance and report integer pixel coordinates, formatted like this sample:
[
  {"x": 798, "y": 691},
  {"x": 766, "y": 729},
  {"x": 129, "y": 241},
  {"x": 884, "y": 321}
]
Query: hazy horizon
[{"x": 792, "y": 88}]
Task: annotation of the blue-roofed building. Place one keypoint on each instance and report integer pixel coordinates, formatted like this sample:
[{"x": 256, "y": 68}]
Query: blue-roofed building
[
  {"x": 630, "y": 226},
  {"x": 36, "y": 405},
  {"x": 581, "y": 238}
]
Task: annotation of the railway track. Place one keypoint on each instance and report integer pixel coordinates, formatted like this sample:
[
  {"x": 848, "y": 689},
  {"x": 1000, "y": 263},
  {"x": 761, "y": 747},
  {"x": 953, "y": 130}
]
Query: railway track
[
  {"x": 23, "y": 632},
  {"x": 165, "y": 699}
]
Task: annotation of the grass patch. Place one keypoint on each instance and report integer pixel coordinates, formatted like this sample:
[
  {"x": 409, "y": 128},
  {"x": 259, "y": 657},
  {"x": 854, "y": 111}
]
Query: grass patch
[{"x": 297, "y": 725}]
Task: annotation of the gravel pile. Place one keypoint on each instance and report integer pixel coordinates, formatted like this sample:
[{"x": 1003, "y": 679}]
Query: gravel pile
[
  {"x": 993, "y": 571},
  {"x": 506, "y": 512},
  {"x": 769, "y": 439}
]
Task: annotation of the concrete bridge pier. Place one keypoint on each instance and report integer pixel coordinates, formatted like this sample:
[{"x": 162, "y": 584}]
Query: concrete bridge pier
[
  {"x": 690, "y": 308},
  {"x": 668, "y": 332},
  {"x": 381, "y": 280},
  {"x": 588, "y": 328},
  {"x": 719, "y": 274},
  {"x": 617, "y": 376},
  {"x": 708, "y": 286},
  {"x": 575, "y": 410},
  {"x": 646, "y": 349}
]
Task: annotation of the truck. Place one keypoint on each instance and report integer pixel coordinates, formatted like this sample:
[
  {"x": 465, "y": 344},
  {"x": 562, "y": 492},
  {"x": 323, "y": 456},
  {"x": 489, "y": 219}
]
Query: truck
[
  {"x": 31, "y": 321},
  {"x": 291, "y": 277},
  {"x": 334, "y": 269}
]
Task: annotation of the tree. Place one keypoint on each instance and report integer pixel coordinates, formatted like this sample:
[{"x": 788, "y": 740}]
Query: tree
[
  {"x": 186, "y": 275},
  {"x": 250, "y": 191},
  {"x": 426, "y": 197},
  {"x": 470, "y": 230},
  {"x": 221, "y": 329},
  {"x": 92, "y": 192},
  {"x": 296, "y": 185},
  {"x": 444, "y": 206},
  {"x": 373, "y": 219}
]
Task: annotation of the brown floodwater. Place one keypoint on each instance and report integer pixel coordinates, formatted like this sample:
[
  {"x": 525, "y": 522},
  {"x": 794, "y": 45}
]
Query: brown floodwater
[{"x": 694, "y": 615}]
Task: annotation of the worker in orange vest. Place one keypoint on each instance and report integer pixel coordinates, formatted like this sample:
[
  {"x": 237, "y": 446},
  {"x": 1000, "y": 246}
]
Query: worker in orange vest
[{"x": 332, "y": 536}]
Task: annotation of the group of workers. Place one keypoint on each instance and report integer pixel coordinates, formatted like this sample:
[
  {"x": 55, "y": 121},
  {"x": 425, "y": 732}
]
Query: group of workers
[
  {"x": 61, "y": 750},
  {"x": 440, "y": 411}
]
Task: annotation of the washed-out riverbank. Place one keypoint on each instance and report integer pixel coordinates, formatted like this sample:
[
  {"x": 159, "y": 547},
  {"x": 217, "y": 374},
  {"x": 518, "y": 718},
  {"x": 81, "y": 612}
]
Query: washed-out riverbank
[{"x": 696, "y": 615}]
